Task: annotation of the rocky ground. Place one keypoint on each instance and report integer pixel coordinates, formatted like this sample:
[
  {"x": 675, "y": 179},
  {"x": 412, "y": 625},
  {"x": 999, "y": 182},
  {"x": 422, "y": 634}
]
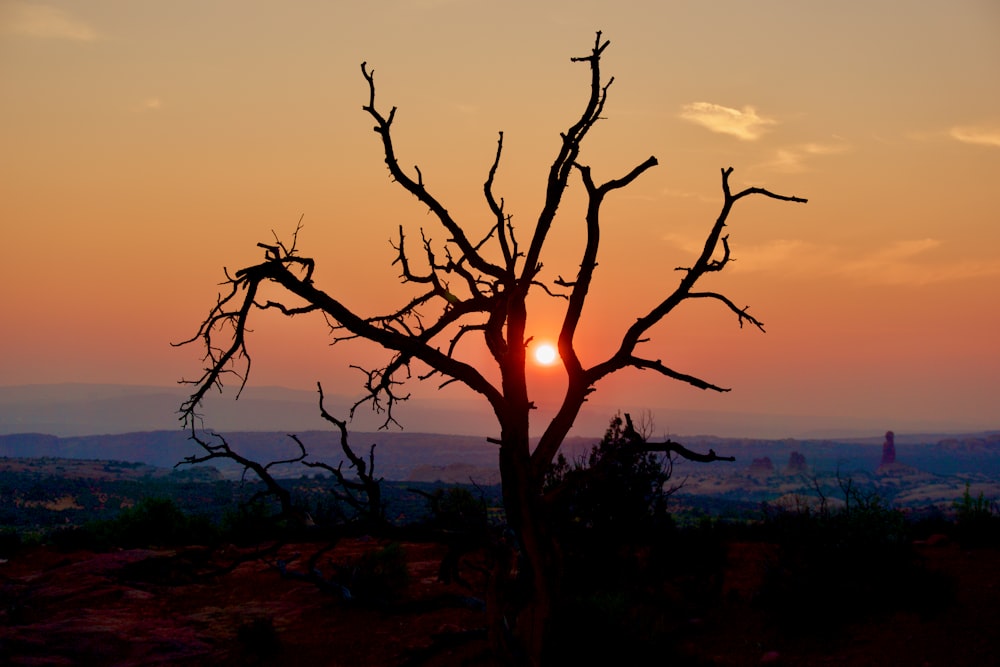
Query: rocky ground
[
  {"x": 155, "y": 607},
  {"x": 962, "y": 633},
  {"x": 152, "y": 607}
]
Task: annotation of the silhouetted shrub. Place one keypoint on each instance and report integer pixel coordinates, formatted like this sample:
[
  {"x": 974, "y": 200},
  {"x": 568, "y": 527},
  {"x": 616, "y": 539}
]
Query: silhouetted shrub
[
  {"x": 456, "y": 509},
  {"x": 612, "y": 496},
  {"x": 160, "y": 522},
  {"x": 250, "y": 523},
  {"x": 76, "y": 538},
  {"x": 10, "y": 543},
  {"x": 152, "y": 522},
  {"x": 623, "y": 555},
  {"x": 259, "y": 637},
  {"x": 977, "y": 520},
  {"x": 378, "y": 576},
  {"x": 836, "y": 567}
]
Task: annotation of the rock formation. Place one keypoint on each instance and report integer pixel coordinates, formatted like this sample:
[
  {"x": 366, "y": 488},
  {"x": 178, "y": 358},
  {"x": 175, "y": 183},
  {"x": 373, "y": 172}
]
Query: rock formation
[
  {"x": 888, "y": 450},
  {"x": 762, "y": 466},
  {"x": 796, "y": 464},
  {"x": 889, "y": 465}
]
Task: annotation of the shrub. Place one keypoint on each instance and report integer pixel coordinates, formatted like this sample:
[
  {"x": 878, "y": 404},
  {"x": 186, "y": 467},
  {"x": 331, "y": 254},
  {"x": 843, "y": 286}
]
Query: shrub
[
  {"x": 10, "y": 542},
  {"x": 623, "y": 554},
  {"x": 977, "y": 520},
  {"x": 836, "y": 567},
  {"x": 259, "y": 637},
  {"x": 457, "y": 509},
  {"x": 250, "y": 523},
  {"x": 378, "y": 576},
  {"x": 152, "y": 522},
  {"x": 614, "y": 495}
]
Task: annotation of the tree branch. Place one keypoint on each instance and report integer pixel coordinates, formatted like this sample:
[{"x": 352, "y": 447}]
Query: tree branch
[
  {"x": 416, "y": 188},
  {"x": 222, "y": 450},
  {"x": 507, "y": 249},
  {"x": 704, "y": 264},
  {"x": 369, "y": 505},
  {"x": 669, "y": 446},
  {"x": 741, "y": 313},
  {"x": 659, "y": 367},
  {"x": 565, "y": 159}
]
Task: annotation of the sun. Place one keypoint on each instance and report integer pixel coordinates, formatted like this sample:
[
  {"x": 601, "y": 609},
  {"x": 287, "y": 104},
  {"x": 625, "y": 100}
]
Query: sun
[{"x": 545, "y": 354}]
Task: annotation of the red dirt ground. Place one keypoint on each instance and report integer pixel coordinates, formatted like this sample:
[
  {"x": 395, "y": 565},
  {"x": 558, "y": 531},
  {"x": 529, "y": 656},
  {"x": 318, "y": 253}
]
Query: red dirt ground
[{"x": 144, "y": 607}]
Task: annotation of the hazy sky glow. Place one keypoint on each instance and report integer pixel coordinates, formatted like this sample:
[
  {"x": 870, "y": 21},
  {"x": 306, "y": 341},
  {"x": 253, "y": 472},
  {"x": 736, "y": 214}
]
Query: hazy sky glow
[{"x": 144, "y": 146}]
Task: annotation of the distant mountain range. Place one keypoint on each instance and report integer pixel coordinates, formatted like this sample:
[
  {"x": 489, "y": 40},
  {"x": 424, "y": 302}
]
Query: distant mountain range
[
  {"x": 92, "y": 409},
  {"x": 429, "y": 456},
  {"x": 133, "y": 423}
]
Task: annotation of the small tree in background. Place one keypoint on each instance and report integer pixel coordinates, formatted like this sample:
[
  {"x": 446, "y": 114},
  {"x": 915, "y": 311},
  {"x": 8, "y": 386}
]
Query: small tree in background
[
  {"x": 977, "y": 519},
  {"x": 616, "y": 492},
  {"x": 475, "y": 285},
  {"x": 623, "y": 552}
]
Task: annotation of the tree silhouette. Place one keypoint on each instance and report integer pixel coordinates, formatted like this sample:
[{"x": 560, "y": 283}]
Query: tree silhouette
[{"x": 478, "y": 286}]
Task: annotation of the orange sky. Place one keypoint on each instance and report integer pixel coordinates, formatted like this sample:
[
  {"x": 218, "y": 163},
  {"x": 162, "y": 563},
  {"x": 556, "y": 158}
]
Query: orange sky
[{"x": 144, "y": 146}]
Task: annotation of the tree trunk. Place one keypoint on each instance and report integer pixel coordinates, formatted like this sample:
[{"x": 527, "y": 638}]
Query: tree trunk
[{"x": 528, "y": 595}]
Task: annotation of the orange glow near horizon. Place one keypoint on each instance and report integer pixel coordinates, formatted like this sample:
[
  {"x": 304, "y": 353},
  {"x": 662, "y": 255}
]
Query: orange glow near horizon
[{"x": 147, "y": 149}]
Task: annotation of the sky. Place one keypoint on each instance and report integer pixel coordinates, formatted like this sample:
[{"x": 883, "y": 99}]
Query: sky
[{"x": 145, "y": 146}]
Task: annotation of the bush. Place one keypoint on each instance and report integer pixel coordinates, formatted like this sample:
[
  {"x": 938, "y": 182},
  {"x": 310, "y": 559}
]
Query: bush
[
  {"x": 378, "y": 576},
  {"x": 977, "y": 521},
  {"x": 456, "y": 509},
  {"x": 613, "y": 496},
  {"x": 623, "y": 555},
  {"x": 152, "y": 522},
  {"x": 10, "y": 542},
  {"x": 835, "y": 567},
  {"x": 250, "y": 523},
  {"x": 259, "y": 637}
]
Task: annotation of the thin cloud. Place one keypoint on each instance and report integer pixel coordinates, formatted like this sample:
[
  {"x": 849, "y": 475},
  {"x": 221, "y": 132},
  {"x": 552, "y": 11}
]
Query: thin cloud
[
  {"x": 979, "y": 136},
  {"x": 741, "y": 123},
  {"x": 435, "y": 4},
  {"x": 903, "y": 263},
  {"x": 687, "y": 244},
  {"x": 684, "y": 194},
  {"x": 792, "y": 159},
  {"x": 790, "y": 257},
  {"x": 149, "y": 104},
  {"x": 911, "y": 263},
  {"x": 45, "y": 22},
  {"x": 906, "y": 263},
  {"x": 772, "y": 255}
]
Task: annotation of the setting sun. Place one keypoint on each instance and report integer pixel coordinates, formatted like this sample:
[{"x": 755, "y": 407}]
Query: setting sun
[{"x": 545, "y": 354}]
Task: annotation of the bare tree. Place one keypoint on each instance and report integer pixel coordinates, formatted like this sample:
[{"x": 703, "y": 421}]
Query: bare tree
[{"x": 477, "y": 287}]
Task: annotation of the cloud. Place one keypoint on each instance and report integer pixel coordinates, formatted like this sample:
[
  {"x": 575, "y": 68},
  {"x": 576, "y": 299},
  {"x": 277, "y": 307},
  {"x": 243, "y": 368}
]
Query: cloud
[
  {"x": 684, "y": 194},
  {"x": 906, "y": 263},
  {"x": 687, "y": 244},
  {"x": 979, "y": 136},
  {"x": 434, "y": 4},
  {"x": 149, "y": 104},
  {"x": 903, "y": 263},
  {"x": 744, "y": 124},
  {"x": 44, "y": 22},
  {"x": 774, "y": 254},
  {"x": 786, "y": 255},
  {"x": 792, "y": 159}
]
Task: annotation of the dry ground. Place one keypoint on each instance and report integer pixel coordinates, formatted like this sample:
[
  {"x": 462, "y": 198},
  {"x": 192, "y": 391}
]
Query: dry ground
[{"x": 145, "y": 607}]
